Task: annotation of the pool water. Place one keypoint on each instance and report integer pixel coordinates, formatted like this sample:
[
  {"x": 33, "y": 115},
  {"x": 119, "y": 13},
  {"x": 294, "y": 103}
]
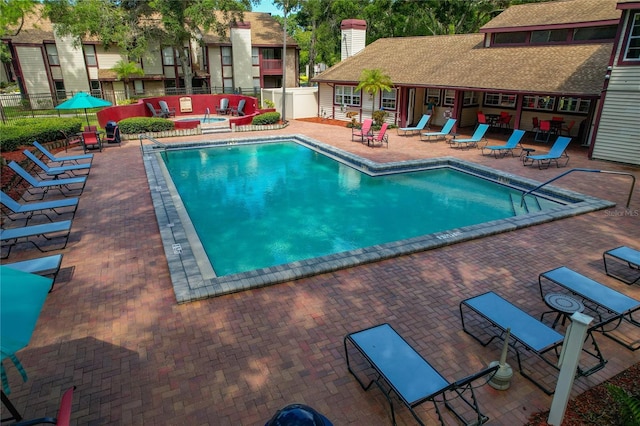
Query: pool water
[{"x": 261, "y": 205}]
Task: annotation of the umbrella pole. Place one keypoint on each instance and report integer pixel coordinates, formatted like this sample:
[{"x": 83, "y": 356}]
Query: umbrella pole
[{"x": 87, "y": 116}]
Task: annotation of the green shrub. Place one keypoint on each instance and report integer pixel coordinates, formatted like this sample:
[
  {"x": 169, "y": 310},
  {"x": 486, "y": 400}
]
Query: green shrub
[
  {"x": 27, "y": 130},
  {"x": 145, "y": 124},
  {"x": 266, "y": 118},
  {"x": 268, "y": 103}
]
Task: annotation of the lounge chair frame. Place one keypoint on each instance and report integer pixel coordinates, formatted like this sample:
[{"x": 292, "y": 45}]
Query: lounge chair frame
[
  {"x": 26, "y": 211},
  {"x": 512, "y": 143},
  {"x": 623, "y": 255},
  {"x": 71, "y": 170},
  {"x": 47, "y": 266},
  {"x": 422, "y": 124},
  {"x": 47, "y": 185},
  {"x": 557, "y": 152},
  {"x": 525, "y": 331},
  {"x": 473, "y": 141},
  {"x": 610, "y": 307},
  {"x": 406, "y": 372},
  {"x": 49, "y": 231},
  {"x": 165, "y": 111},
  {"x": 442, "y": 134},
  {"x": 74, "y": 159},
  {"x": 380, "y": 138}
]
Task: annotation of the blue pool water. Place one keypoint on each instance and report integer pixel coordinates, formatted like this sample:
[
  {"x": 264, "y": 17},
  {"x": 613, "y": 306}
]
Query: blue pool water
[
  {"x": 256, "y": 206},
  {"x": 204, "y": 120}
]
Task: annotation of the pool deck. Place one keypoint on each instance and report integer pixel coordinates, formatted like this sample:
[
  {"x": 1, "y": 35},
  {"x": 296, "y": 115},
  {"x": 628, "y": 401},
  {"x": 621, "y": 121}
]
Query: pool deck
[{"x": 112, "y": 326}]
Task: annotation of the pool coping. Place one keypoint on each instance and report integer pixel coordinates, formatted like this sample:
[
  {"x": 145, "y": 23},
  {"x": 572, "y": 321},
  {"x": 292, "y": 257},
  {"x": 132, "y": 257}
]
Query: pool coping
[{"x": 193, "y": 277}]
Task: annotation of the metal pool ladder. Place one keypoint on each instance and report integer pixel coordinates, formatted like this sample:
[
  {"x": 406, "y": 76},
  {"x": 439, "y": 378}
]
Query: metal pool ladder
[{"x": 583, "y": 170}]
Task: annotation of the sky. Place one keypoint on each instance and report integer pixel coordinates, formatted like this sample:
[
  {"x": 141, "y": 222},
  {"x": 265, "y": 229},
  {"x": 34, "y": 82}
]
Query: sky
[{"x": 267, "y": 6}]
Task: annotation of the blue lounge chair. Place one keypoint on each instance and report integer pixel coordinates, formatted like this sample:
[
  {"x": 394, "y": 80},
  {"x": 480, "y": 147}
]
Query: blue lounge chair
[
  {"x": 610, "y": 307},
  {"x": 10, "y": 237},
  {"x": 511, "y": 144},
  {"x": 623, "y": 255},
  {"x": 556, "y": 152},
  {"x": 31, "y": 209},
  {"x": 55, "y": 172},
  {"x": 400, "y": 369},
  {"x": 71, "y": 158},
  {"x": 418, "y": 128},
  {"x": 442, "y": 134},
  {"x": 526, "y": 331},
  {"x": 75, "y": 184},
  {"x": 47, "y": 266},
  {"x": 477, "y": 136}
]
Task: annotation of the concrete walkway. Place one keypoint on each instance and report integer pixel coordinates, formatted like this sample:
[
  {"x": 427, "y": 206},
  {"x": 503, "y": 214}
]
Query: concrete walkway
[{"x": 112, "y": 326}]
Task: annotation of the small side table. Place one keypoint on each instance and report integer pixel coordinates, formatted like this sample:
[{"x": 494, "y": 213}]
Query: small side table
[
  {"x": 563, "y": 305},
  {"x": 526, "y": 151}
]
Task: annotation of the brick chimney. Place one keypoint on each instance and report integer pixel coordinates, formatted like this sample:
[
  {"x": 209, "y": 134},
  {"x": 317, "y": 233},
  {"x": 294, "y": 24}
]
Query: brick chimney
[{"x": 354, "y": 32}]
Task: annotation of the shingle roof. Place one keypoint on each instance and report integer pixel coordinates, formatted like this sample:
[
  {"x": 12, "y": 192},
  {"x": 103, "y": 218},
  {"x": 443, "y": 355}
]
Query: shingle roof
[
  {"x": 554, "y": 13},
  {"x": 461, "y": 61},
  {"x": 265, "y": 30}
]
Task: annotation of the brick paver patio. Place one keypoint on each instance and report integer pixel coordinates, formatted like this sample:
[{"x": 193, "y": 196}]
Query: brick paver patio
[{"x": 112, "y": 326}]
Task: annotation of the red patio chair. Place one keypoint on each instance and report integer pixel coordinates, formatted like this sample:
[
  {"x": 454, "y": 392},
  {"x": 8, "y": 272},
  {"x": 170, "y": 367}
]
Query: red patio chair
[
  {"x": 64, "y": 412},
  {"x": 71, "y": 140},
  {"x": 91, "y": 140},
  {"x": 364, "y": 132},
  {"x": 544, "y": 131},
  {"x": 567, "y": 129},
  {"x": 380, "y": 138}
]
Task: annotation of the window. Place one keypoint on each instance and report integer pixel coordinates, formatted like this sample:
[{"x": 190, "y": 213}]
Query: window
[
  {"x": 632, "y": 51},
  {"x": 271, "y": 53},
  {"x": 389, "y": 100},
  {"x": 347, "y": 95},
  {"x": 167, "y": 56},
  {"x": 449, "y": 97},
  {"x": 255, "y": 56},
  {"x": 90, "y": 55},
  {"x": 500, "y": 99},
  {"x": 542, "y": 103},
  {"x": 138, "y": 87},
  {"x": 549, "y": 36},
  {"x": 52, "y": 54},
  {"x": 61, "y": 92},
  {"x": 433, "y": 94},
  {"x": 227, "y": 59},
  {"x": 595, "y": 33},
  {"x": 95, "y": 88},
  {"x": 573, "y": 105},
  {"x": 256, "y": 82},
  {"x": 519, "y": 37},
  {"x": 470, "y": 98},
  {"x": 227, "y": 85}
]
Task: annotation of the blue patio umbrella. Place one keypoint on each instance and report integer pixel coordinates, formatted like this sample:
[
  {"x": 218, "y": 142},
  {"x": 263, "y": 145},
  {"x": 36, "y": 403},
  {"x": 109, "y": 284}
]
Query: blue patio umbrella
[
  {"x": 82, "y": 100},
  {"x": 21, "y": 298}
]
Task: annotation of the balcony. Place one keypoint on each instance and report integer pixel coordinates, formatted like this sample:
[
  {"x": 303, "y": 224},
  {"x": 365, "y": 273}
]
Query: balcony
[{"x": 271, "y": 67}]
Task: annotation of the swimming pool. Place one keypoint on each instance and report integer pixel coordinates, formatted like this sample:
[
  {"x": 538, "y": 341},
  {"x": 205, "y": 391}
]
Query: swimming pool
[
  {"x": 334, "y": 175},
  {"x": 207, "y": 120}
]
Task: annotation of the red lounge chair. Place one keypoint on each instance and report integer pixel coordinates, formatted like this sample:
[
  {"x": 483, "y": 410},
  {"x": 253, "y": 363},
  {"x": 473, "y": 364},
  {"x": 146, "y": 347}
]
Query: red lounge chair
[
  {"x": 380, "y": 138},
  {"x": 363, "y": 132}
]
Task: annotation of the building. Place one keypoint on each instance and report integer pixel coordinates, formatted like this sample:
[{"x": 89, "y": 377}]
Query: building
[
  {"x": 617, "y": 136},
  {"x": 49, "y": 68},
  {"x": 534, "y": 61}
]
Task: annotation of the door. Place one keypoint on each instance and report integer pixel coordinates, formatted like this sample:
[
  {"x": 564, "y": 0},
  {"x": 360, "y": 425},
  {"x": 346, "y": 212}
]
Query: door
[{"x": 411, "y": 100}]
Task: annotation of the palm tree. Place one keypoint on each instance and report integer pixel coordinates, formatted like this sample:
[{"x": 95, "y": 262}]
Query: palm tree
[
  {"x": 373, "y": 81},
  {"x": 124, "y": 70}
]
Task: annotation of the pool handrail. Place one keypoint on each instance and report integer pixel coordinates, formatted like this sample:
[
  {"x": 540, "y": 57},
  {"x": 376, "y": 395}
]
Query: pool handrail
[
  {"x": 633, "y": 183},
  {"x": 153, "y": 140}
]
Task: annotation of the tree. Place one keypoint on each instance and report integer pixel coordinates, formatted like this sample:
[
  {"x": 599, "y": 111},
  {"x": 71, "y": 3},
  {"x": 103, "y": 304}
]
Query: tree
[
  {"x": 132, "y": 25},
  {"x": 124, "y": 70},
  {"x": 373, "y": 81},
  {"x": 12, "y": 14}
]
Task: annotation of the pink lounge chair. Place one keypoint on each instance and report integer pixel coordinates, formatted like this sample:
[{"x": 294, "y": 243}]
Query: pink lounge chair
[
  {"x": 380, "y": 138},
  {"x": 363, "y": 132}
]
